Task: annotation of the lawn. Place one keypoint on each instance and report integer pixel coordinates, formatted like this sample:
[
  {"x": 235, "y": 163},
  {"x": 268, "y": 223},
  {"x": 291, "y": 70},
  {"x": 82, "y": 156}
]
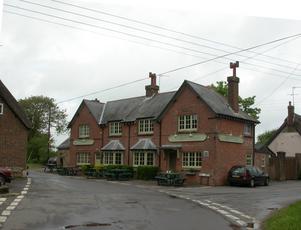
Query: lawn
[{"x": 285, "y": 219}]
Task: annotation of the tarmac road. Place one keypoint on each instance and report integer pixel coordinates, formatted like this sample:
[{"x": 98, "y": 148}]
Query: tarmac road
[{"x": 57, "y": 202}]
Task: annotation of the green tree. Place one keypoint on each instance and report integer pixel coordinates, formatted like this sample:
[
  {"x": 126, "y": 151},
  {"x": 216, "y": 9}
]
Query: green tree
[
  {"x": 42, "y": 112},
  {"x": 245, "y": 104},
  {"x": 266, "y": 136}
]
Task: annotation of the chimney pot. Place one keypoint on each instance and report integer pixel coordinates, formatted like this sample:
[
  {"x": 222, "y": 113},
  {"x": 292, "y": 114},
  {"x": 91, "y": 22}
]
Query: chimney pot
[
  {"x": 153, "y": 88},
  {"x": 233, "y": 89},
  {"x": 291, "y": 114}
]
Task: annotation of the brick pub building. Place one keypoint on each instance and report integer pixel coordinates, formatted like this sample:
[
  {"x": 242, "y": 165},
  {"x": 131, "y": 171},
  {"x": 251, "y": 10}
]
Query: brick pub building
[
  {"x": 193, "y": 130},
  {"x": 14, "y": 128}
]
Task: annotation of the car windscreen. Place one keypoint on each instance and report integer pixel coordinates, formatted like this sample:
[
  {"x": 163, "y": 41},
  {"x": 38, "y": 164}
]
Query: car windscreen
[{"x": 238, "y": 171}]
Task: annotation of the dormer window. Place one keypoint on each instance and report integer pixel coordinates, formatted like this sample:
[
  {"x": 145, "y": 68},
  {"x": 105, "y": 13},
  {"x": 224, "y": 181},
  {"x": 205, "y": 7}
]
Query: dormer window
[
  {"x": 115, "y": 129},
  {"x": 1, "y": 108},
  {"x": 84, "y": 131},
  {"x": 188, "y": 122},
  {"x": 145, "y": 126}
]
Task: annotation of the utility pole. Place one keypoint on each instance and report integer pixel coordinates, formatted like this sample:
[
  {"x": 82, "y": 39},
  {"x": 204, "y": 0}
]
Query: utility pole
[{"x": 49, "y": 134}]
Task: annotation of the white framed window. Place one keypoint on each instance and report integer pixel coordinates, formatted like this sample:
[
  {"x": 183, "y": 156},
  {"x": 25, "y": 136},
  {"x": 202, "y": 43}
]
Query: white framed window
[
  {"x": 1, "y": 108},
  {"x": 145, "y": 126},
  {"x": 83, "y": 158},
  {"x": 188, "y": 122},
  {"x": 192, "y": 159},
  {"x": 263, "y": 163},
  {"x": 97, "y": 158},
  {"x": 84, "y": 131},
  {"x": 115, "y": 128},
  {"x": 248, "y": 130},
  {"x": 112, "y": 158},
  {"x": 249, "y": 160},
  {"x": 143, "y": 158}
]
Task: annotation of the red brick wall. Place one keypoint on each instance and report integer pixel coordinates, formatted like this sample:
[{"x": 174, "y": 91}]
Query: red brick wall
[
  {"x": 230, "y": 154},
  {"x": 13, "y": 139},
  {"x": 258, "y": 161},
  {"x": 84, "y": 117},
  {"x": 134, "y": 137},
  {"x": 188, "y": 103}
]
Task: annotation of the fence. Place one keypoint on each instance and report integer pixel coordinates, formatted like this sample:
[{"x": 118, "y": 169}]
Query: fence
[{"x": 285, "y": 168}]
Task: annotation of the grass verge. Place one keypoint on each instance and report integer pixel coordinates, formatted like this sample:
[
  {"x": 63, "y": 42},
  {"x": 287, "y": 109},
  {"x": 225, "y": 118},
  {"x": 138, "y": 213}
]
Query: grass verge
[
  {"x": 287, "y": 218},
  {"x": 34, "y": 166}
]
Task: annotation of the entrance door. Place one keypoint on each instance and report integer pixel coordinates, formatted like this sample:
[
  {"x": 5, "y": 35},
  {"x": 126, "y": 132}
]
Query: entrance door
[{"x": 172, "y": 159}]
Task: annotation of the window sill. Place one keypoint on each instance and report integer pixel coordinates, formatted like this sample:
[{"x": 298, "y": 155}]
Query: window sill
[
  {"x": 188, "y": 131},
  {"x": 115, "y": 135},
  {"x": 145, "y": 134}
]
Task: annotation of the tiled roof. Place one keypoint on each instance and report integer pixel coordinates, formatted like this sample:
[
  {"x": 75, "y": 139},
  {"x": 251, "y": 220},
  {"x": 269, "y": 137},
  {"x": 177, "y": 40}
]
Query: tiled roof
[
  {"x": 134, "y": 108},
  {"x": 113, "y": 145},
  {"x": 14, "y": 105},
  {"x": 64, "y": 145},
  {"x": 217, "y": 102},
  {"x": 144, "y": 144}
]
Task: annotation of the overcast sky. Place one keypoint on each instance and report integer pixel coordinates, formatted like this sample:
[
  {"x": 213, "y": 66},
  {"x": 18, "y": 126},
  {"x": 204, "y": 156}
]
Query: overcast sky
[{"x": 40, "y": 58}]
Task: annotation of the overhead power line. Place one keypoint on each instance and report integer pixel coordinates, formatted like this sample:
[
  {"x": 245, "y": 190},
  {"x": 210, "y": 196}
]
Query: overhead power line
[
  {"x": 225, "y": 55},
  {"x": 150, "y": 32},
  {"x": 166, "y": 29},
  {"x": 144, "y": 38}
]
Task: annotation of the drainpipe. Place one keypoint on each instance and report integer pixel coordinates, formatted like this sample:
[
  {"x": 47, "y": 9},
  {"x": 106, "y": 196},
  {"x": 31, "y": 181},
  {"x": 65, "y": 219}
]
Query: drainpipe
[
  {"x": 160, "y": 142},
  {"x": 129, "y": 141}
]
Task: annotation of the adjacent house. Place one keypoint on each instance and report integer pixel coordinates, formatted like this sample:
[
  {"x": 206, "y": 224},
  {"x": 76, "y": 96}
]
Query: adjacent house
[
  {"x": 193, "y": 130},
  {"x": 63, "y": 153},
  {"x": 14, "y": 128},
  {"x": 288, "y": 137}
]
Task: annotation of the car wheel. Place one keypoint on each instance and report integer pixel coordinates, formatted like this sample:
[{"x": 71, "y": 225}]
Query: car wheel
[
  {"x": 266, "y": 182},
  {"x": 252, "y": 183},
  {"x": 2, "y": 180}
]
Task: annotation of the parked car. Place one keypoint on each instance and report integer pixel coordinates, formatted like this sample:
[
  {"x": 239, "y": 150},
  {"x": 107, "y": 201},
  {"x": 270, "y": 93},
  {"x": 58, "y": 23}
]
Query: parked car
[
  {"x": 247, "y": 175},
  {"x": 5, "y": 175}
]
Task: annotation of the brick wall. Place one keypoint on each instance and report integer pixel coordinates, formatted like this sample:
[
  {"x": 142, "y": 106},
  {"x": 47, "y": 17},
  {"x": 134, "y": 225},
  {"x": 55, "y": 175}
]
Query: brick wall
[
  {"x": 84, "y": 117},
  {"x": 13, "y": 139}
]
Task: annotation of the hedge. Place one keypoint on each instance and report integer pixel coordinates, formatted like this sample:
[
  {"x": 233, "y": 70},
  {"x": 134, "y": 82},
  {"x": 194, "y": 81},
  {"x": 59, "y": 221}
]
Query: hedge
[{"x": 146, "y": 172}]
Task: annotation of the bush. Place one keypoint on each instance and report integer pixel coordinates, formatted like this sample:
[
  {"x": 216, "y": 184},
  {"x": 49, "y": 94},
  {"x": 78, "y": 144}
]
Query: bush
[
  {"x": 85, "y": 168},
  {"x": 147, "y": 172},
  {"x": 109, "y": 167}
]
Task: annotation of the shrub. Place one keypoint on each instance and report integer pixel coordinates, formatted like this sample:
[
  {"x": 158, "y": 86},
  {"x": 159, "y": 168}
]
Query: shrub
[
  {"x": 85, "y": 168},
  {"x": 147, "y": 172}
]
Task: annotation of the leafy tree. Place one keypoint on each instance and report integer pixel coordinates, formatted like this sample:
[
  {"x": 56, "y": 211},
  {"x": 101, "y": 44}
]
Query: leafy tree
[
  {"x": 245, "y": 104},
  {"x": 39, "y": 109},
  {"x": 42, "y": 110},
  {"x": 264, "y": 137}
]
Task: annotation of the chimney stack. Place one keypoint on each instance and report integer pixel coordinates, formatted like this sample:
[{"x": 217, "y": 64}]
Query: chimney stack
[
  {"x": 233, "y": 91},
  {"x": 291, "y": 114},
  {"x": 153, "y": 88}
]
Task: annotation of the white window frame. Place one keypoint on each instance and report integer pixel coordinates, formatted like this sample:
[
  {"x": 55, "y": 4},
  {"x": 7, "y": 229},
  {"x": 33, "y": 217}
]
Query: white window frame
[
  {"x": 83, "y": 131},
  {"x": 1, "y": 108},
  {"x": 115, "y": 129},
  {"x": 110, "y": 157},
  {"x": 83, "y": 158},
  {"x": 145, "y": 126},
  {"x": 187, "y": 122},
  {"x": 247, "y": 130},
  {"x": 192, "y": 159},
  {"x": 249, "y": 160},
  {"x": 141, "y": 158}
]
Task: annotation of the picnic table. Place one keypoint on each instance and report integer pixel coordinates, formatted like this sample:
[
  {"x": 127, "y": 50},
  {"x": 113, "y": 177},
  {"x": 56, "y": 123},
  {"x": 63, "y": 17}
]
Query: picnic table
[
  {"x": 50, "y": 167},
  {"x": 118, "y": 174},
  {"x": 170, "y": 179},
  {"x": 68, "y": 171},
  {"x": 93, "y": 173}
]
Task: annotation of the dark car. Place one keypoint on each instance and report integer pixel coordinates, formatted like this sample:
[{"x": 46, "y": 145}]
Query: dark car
[
  {"x": 5, "y": 175},
  {"x": 247, "y": 175}
]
